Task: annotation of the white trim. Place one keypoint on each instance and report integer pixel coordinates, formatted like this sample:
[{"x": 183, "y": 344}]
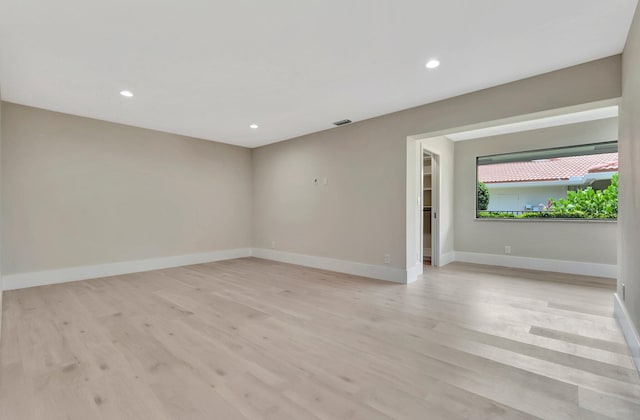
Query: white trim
[
  {"x": 436, "y": 193},
  {"x": 518, "y": 118},
  {"x": 42, "y": 278},
  {"x": 413, "y": 273},
  {"x": 380, "y": 272},
  {"x": 628, "y": 329},
  {"x": 447, "y": 258},
  {"x": 536, "y": 124},
  {"x": 540, "y": 264}
]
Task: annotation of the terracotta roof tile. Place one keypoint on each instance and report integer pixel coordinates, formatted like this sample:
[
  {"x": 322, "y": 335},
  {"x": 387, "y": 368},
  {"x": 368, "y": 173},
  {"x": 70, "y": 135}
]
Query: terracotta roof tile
[{"x": 548, "y": 169}]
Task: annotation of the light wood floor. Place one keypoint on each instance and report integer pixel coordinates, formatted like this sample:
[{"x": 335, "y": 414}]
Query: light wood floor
[{"x": 255, "y": 339}]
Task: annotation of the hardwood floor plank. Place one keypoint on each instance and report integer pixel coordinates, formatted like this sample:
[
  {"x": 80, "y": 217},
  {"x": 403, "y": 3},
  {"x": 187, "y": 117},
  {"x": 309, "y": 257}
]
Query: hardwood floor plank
[
  {"x": 257, "y": 339},
  {"x": 628, "y": 374},
  {"x": 609, "y": 405},
  {"x": 612, "y": 346}
]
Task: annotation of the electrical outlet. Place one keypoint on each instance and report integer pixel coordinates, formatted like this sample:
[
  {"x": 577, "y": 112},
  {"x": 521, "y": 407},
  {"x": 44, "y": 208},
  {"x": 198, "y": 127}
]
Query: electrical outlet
[
  {"x": 325, "y": 181},
  {"x": 273, "y": 244},
  {"x": 507, "y": 249},
  {"x": 387, "y": 259}
]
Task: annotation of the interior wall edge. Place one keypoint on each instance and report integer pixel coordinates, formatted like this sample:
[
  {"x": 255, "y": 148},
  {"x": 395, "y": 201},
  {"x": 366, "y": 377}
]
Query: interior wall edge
[
  {"x": 447, "y": 258},
  {"x": 628, "y": 329}
]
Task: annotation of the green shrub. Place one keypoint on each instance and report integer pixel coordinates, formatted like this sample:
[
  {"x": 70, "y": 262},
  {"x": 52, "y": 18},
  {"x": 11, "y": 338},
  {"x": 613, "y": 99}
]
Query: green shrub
[
  {"x": 530, "y": 215},
  {"x": 588, "y": 203},
  {"x": 483, "y": 196},
  {"x": 496, "y": 215}
]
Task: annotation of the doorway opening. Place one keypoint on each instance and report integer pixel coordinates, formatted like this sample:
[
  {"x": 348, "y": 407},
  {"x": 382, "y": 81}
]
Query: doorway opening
[{"x": 429, "y": 208}]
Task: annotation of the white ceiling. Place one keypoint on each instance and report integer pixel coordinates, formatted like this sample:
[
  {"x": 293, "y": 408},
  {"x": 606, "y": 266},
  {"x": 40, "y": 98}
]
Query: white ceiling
[{"x": 208, "y": 68}]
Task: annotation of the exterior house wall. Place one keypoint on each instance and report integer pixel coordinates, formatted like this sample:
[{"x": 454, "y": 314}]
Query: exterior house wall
[{"x": 519, "y": 197}]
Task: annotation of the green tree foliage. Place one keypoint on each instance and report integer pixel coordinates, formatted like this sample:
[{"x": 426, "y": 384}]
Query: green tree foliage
[
  {"x": 588, "y": 203},
  {"x": 483, "y": 196}
]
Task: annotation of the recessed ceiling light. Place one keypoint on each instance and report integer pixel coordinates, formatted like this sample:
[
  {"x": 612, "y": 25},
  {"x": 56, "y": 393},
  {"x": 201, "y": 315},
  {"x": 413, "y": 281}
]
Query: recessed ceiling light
[
  {"x": 432, "y": 64},
  {"x": 254, "y": 126},
  {"x": 126, "y": 93}
]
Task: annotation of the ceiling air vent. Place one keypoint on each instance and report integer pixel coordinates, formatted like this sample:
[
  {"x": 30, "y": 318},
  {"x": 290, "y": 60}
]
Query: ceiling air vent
[{"x": 343, "y": 122}]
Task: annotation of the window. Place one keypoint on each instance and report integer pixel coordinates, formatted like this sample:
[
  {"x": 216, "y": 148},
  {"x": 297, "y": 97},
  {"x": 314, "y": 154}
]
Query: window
[{"x": 576, "y": 182}]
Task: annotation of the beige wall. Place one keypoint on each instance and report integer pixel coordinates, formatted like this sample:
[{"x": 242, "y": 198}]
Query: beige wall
[
  {"x": 102, "y": 192},
  {"x": 362, "y": 213},
  {"x": 78, "y": 191},
  {"x": 629, "y": 240},
  {"x": 593, "y": 242}
]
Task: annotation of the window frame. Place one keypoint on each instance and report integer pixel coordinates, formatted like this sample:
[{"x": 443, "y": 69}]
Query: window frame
[{"x": 549, "y": 155}]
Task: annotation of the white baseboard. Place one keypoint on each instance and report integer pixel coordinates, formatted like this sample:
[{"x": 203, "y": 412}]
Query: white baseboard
[
  {"x": 628, "y": 329},
  {"x": 413, "y": 273},
  {"x": 446, "y": 258},
  {"x": 380, "y": 272},
  {"x": 42, "y": 278},
  {"x": 541, "y": 264}
]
